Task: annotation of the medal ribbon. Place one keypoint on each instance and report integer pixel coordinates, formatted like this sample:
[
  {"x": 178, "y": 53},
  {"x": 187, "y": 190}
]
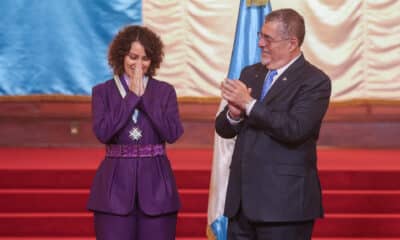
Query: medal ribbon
[{"x": 135, "y": 116}]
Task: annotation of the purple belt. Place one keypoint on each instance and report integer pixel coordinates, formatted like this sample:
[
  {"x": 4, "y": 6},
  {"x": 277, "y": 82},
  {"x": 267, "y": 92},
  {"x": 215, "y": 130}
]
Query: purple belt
[{"x": 134, "y": 150}]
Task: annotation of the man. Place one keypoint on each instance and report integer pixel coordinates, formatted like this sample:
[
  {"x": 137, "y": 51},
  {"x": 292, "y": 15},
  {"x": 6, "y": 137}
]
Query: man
[{"x": 275, "y": 110}]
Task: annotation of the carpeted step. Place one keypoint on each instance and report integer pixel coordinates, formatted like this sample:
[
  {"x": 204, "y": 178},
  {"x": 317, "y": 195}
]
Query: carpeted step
[
  {"x": 179, "y": 238},
  {"x": 48, "y": 238},
  {"x": 361, "y": 201},
  {"x": 80, "y": 238},
  {"x": 82, "y": 179},
  {"x": 359, "y": 226},
  {"x": 193, "y": 225},
  {"x": 75, "y": 167},
  {"x": 193, "y": 200},
  {"x": 81, "y": 224},
  {"x": 340, "y": 169},
  {"x": 361, "y": 179},
  {"x": 350, "y": 238},
  {"x": 74, "y": 200},
  {"x": 43, "y": 192},
  {"x": 194, "y": 179}
]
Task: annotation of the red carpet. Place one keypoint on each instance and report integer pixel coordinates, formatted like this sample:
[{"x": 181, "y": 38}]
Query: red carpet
[{"x": 43, "y": 193}]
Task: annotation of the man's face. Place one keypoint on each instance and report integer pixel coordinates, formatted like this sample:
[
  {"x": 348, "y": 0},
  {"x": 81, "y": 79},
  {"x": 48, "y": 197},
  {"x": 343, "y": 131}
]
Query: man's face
[{"x": 275, "y": 48}]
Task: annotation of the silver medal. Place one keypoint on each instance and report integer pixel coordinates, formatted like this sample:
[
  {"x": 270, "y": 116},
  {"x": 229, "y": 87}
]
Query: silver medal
[{"x": 135, "y": 133}]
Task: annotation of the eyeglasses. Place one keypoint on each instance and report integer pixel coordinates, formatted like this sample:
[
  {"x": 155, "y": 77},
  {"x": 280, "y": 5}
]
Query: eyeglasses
[{"x": 269, "y": 40}]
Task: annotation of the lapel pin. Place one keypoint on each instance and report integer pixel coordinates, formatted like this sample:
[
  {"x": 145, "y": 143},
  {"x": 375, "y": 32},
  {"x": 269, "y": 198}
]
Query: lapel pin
[{"x": 284, "y": 78}]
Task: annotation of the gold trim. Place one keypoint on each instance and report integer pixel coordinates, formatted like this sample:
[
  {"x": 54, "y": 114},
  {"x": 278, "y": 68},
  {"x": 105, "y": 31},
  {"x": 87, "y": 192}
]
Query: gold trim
[
  {"x": 210, "y": 234},
  {"x": 250, "y": 3}
]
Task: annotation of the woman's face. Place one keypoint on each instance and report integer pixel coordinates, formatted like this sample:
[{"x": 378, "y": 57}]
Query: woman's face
[{"x": 136, "y": 57}]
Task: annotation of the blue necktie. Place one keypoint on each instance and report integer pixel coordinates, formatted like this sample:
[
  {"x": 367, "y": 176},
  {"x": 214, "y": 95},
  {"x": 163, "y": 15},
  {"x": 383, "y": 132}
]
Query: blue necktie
[{"x": 267, "y": 83}]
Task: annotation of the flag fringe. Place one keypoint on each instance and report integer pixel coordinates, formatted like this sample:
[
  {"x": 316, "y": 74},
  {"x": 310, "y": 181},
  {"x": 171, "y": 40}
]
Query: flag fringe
[
  {"x": 210, "y": 234},
  {"x": 250, "y": 3}
]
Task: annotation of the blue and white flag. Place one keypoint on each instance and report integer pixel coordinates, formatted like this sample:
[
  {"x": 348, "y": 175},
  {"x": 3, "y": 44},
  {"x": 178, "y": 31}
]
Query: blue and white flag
[
  {"x": 245, "y": 49},
  {"x": 59, "y": 47},
  {"x": 245, "y": 52}
]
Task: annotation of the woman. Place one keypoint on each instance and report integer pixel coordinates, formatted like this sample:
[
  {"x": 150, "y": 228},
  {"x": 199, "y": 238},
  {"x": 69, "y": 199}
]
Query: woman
[{"x": 134, "y": 195}]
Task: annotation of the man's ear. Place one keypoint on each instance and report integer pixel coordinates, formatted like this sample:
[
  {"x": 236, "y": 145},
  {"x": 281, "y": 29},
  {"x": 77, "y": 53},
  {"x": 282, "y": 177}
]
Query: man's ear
[{"x": 294, "y": 44}]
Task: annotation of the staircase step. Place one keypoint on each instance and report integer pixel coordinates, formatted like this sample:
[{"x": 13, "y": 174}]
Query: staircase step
[
  {"x": 340, "y": 169},
  {"x": 82, "y": 179},
  {"x": 43, "y": 193},
  {"x": 200, "y": 179},
  {"x": 358, "y": 226},
  {"x": 43, "y": 200},
  {"x": 194, "y": 225},
  {"x": 361, "y": 201},
  {"x": 360, "y": 179},
  {"x": 193, "y": 200},
  {"x": 75, "y": 200},
  {"x": 79, "y": 238},
  {"x": 80, "y": 224},
  {"x": 350, "y": 238},
  {"x": 179, "y": 238}
]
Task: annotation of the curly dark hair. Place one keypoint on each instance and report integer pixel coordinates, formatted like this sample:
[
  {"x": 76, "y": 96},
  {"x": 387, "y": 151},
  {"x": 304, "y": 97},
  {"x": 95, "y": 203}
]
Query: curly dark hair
[{"x": 121, "y": 44}]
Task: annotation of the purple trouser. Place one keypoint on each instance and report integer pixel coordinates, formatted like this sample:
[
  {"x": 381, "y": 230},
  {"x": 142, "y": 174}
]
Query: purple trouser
[{"x": 135, "y": 226}]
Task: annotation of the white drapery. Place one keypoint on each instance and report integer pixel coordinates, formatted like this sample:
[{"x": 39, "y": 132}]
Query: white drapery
[{"x": 356, "y": 42}]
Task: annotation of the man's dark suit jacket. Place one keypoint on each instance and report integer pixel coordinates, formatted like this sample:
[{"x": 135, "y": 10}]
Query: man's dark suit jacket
[{"x": 273, "y": 174}]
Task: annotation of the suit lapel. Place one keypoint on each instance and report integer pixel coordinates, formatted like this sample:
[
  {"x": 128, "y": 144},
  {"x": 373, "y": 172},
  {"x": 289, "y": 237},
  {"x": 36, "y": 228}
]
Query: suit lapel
[
  {"x": 256, "y": 81},
  {"x": 288, "y": 77}
]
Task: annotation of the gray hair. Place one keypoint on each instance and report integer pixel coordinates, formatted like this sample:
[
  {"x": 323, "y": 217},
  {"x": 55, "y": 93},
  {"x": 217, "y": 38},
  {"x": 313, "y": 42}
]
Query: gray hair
[{"x": 291, "y": 23}]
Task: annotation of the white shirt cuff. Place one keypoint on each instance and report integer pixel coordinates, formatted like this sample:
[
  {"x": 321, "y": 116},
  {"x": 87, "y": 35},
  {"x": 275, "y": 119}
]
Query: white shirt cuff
[
  {"x": 249, "y": 106},
  {"x": 231, "y": 120}
]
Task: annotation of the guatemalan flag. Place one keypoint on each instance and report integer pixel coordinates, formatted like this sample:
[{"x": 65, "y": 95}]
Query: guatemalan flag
[
  {"x": 59, "y": 46},
  {"x": 245, "y": 52}
]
